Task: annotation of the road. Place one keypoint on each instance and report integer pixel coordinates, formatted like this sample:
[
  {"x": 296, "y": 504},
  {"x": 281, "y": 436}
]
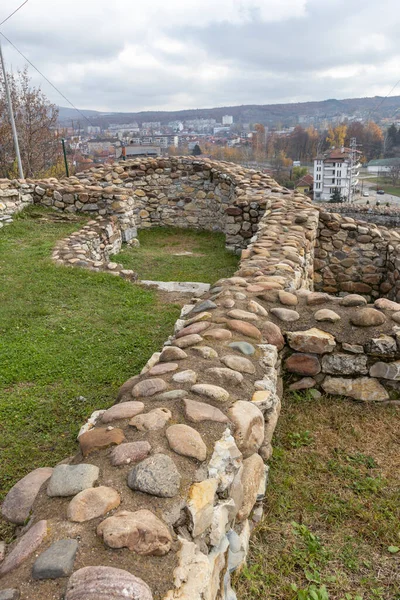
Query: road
[{"x": 373, "y": 197}]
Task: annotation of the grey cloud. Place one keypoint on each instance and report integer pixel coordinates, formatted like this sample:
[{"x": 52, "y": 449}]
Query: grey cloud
[{"x": 221, "y": 63}]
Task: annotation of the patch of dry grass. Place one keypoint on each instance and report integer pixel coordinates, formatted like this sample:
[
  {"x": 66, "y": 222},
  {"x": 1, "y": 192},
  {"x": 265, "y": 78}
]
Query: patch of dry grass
[{"x": 332, "y": 522}]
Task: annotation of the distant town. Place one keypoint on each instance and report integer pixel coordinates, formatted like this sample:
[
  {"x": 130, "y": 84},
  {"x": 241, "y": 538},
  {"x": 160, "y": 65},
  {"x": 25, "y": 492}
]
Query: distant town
[{"x": 321, "y": 156}]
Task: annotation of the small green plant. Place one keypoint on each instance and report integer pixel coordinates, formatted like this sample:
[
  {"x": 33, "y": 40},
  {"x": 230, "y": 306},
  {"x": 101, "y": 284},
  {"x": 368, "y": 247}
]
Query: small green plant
[
  {"x": 361, "y": 459},
  {"x": 311, "y": 540},
  {"x": 368, "y": 485},
  {"x": 311, "y": 593},
  {"x": 297, "y": 440}
]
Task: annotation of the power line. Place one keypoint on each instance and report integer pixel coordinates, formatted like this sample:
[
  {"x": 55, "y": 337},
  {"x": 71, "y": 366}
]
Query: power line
[
  {"x": 383, "y": 99},
  {"x": 46, "y": 79},
  {"x": 13, "y": 13}
]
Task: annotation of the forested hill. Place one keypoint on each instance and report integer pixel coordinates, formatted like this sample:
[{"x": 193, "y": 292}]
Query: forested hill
[{"x": 268, "y": 114}]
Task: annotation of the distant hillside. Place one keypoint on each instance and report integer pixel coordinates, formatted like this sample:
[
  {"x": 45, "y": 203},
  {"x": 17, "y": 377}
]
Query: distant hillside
[{"x": 268, "y": 114}]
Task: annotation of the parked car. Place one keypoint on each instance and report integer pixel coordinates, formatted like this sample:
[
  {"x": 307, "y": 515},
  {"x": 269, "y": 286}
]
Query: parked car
[
  {"x": 365, "y": 194},
  {"x": 380, "y": 192}
]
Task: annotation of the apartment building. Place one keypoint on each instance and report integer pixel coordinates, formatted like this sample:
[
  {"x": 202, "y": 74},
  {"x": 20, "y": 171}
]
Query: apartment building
[{"x": 336, "y": 169}]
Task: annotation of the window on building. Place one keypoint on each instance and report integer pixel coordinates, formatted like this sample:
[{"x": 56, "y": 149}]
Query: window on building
[{"x": 333, "y": 180}]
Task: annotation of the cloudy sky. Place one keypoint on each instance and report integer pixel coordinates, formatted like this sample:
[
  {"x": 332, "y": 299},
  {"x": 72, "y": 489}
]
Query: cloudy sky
[{"x": 128, "y": 55}]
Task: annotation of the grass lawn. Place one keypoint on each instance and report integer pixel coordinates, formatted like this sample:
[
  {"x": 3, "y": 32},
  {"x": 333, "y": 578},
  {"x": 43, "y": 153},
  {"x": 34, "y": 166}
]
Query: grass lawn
[
  {"x": 69, "y": 337},
  {"x": 332, "y": 524},
  {"x": 156, "y": 260}
]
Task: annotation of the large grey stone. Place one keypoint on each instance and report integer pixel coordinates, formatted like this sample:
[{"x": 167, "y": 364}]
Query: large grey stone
[
  {"x": 345, "y": 364},
  {"x": 384, "y": 345},
  {"x": 57, "y": 561},
  {"x": 157, "y": 475},
  {"x": 19, "y": 500},
  {"x": 9, "y": 594},
  {"x": 239, "y": 363},
  {"x": 243, "y": 347},
  {"x": 386, "y": 370},
  {"x": 203, "y": 306},
  {"x": 106, "y": 583},
  {"x": 69, "y": 480}
]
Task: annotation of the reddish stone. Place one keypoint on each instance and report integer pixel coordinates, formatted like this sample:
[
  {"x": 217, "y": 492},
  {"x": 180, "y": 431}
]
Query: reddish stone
[
  {"x": 163, "y": 369},
  {"x": 127, "y": 453},
  {"x": 149, "y": 387},
  {"x": 19, "y": 500},
  {"x": 25, "y": 547},
  {"x": 303, "y": 364},
  {"x": 273, "y": 335},
  {"x": 99, "y": 439},
  {"x": 193, "y": 329},
  {"x": 233, "y": 211},
  {"x": 218, "y": 334},
  {"x": 246, "y": 329}
]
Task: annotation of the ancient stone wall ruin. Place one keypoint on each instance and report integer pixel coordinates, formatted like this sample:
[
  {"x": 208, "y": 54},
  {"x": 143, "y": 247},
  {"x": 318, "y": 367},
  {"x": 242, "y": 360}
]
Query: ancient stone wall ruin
[{"x": 167, "y": 485}]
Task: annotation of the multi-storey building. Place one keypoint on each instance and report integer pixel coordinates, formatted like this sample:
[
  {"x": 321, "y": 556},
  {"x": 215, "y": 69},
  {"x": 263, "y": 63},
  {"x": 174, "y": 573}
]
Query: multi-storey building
[{"x": 337, "y": 168}]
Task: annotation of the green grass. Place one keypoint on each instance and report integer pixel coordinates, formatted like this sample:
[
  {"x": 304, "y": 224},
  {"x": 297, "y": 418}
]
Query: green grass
[
  {"x": 332, "y": 524},
  {"x": 68, "y": 339},
  {"x": 156, "y": 260}
]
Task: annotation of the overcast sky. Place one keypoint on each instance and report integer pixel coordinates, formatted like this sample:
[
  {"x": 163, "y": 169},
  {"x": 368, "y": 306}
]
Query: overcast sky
[{"x": 129, "y": 55}]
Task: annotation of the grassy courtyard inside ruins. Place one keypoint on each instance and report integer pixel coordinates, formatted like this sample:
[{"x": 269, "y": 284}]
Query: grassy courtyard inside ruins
[
  {"x": 169, "y": 254},
  {"x": 332, "y": 509},
  {"x": 70, "y": 337}
]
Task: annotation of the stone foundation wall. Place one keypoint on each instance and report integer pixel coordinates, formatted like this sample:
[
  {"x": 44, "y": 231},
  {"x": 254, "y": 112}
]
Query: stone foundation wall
[
  {"x": 179, "y": 462},
  {"x": 92, "y": 247},
  {"x": 182, "y": 192},
  {"x": 14, "y": 197},
  {"x": 167, "y": 485},
  {"x": 345, "y": 347},
  {"x": 354, "y": 257},
  {"x": 386, "y": 216}
]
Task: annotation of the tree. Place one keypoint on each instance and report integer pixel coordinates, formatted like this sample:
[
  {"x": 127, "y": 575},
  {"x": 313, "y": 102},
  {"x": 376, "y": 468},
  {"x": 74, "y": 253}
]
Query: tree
[
  {"x": 259, "y": 142},
  {"x": 394, "y": 174},
  {"x": 197, "y": 151},
  {"x": 280, "y": 164},
  {"x": 36, "y": 120},
  {"x": 336, "y": 136},
  {"x": 392, "y": 142},
  {"x": 299, "y": 172},
  {"x": 336, "y": 196}
]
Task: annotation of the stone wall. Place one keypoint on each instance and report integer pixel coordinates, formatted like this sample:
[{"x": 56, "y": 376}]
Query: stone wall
[
  {"x": 355, "y": 257},
  {"x": 181, "y": 453},
  {"x": 182, "y": 192},
  {"x": 168, "y": 484},
  {"x": 345, "y": 347},
  {"x": 387, "y": 216},
  {"x": 14, "y": 197},
  {"x": 92, "y": 246}
]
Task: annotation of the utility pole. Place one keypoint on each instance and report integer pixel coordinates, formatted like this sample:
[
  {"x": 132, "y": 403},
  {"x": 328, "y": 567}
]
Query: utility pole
[
  {"x": 65, "y": 157},
  {"x": 11, "y": 115},
  {"x": 353, "y": 162}
]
